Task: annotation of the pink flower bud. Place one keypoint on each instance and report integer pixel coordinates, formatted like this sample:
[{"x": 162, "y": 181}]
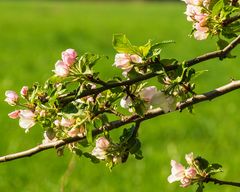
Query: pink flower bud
[
  {"x": 11, "y": 97},
  {"x": 14, "y": 114},
  {"x": 79, "y": 131},
  {"x": 190, "y": 172},
  {"x": 148, "y": 93},
  {"x": 189, "y": 158},
  {"x": 61, "y": 69},
  {"x": 185, "y": 182},
  {"x": 69, "y": 56},
  {"x": 200, "y": 35},
  {"x": 67, "y": 122},
  {"x": 136, "y": 59},
  {"x": 24, "y": 91},
  {"x": 27, "y": 119},
  {"x": 102, "y": 143}
]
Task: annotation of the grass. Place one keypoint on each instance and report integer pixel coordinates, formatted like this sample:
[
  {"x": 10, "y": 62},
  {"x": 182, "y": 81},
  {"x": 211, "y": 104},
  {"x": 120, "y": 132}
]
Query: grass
[{"x": 32, "y": 37}]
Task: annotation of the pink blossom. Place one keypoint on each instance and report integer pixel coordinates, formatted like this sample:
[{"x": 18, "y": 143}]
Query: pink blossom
[
  {"x": 27, "y": 119},
  {"x": 24, "y": 91},
  {"x": 102, "y": 143},
  {"x": 76, "y": 131},
  {"x": 136, "y": 59},
  {"x": 100, "y": 150},
  {"x": 67, "y": 122},
  {"x": 200, "y": 35},
  {"x": 190, "y": 172},
  {"x": 69, "y": 56},
  {"x": 123, "y": 61},
  {"x": 99, "y": 153},
  {"x": 192, "y": 11},
  {"x": 148, "y": 93},
  {"x": 11, "y": 97},
  {"x": 61, "y": 69},
  {"x": 177, "y": 172},
  {"x": 14, "y": 114},
  {"x": 185, "y": 182}
]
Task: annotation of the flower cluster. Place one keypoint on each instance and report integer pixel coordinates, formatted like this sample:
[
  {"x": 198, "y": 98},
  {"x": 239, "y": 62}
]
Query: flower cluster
[
  {"x": 197, "y": 13},
  {"x": 151, "y": 98},
  {"x": 126, "y": 62},
  {"x": 101, "y": 148},
  {"x": 26, "y": 116},
  {"x": 62, "y": 67},
  {"x": 185, "y": 175}
]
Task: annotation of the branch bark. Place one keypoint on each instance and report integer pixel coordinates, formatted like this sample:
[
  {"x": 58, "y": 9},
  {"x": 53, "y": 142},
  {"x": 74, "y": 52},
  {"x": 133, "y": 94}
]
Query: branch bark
[
  {"x": 220, "y": 182},
  {"x": 130, "y": 119}
]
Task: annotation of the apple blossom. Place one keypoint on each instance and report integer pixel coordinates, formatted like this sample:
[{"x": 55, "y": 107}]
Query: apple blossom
[
  {"x": 125, "y": 102},
  {"x": 102, "y": 143},
  {"x": 24, "y": 91},
  {"x": 67, "y": 122},
  {"x": 76, "y": 131},
  {"x": 69, "y": 56},
  {"x": 124, "y": 61},
  {"x": 166, "y": 102},
  {"x": 61, "y": 69},
  {"x": 100, "y": 150},
  {"x": 147, "y": 93},
  {"x": 14, "y": 114},
  {"x": 11, "y": 97},
  {"x": 177, "y": 172},
  {"x": 27, "y": 119}
]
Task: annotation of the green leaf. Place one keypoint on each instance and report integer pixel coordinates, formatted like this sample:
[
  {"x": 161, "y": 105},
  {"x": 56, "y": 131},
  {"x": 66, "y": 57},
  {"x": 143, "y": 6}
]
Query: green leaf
[
  {"x": 70, "y": 108},
  {"x": 89, "y": 136},
  {"x": 122, "y": 45},
  {"x": 202, "y": 163},
  {"x": 217, "y": 7},
  {"x": 91, "y": 157},
  {"x": 222, "y": 44},
  {"x": 145, "y": 49},
  {"x": 214, "y": 168}
]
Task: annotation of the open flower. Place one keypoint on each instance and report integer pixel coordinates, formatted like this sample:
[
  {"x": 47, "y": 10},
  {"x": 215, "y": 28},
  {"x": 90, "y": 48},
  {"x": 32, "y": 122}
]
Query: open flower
[
  {"x": 100, "y": 150},
  {"x": 11, "y": 97},
  {"x": 147, "y": 93},
  {"x": 69, "y": 56},
  {"x": 27, "y": 119},
  {"x": 61, "y": 69},
  {"x": 125, "y": 61},
  {"x": 182, "y": 174}
]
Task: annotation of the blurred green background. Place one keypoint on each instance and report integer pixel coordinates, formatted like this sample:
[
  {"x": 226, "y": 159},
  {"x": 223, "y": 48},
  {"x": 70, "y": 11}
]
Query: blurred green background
[{"x": 32, "y": 36}]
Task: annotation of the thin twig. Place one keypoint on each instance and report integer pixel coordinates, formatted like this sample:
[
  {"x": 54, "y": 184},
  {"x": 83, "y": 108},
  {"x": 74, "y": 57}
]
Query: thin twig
[
  {"x": 220, "y": 182},
  {"x": 131, "y": 119}
]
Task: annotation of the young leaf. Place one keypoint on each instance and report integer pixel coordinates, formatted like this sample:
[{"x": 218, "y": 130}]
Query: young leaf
[{"x": 122, "y": 45}]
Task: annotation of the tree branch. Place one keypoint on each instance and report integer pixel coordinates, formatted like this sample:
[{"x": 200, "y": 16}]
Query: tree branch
[
  {"x": 215, "y": 54},
  {"x": 220, "y": 182},
  {"x": 221, "y": 53},
  {"x": 130, "y": 119}
]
